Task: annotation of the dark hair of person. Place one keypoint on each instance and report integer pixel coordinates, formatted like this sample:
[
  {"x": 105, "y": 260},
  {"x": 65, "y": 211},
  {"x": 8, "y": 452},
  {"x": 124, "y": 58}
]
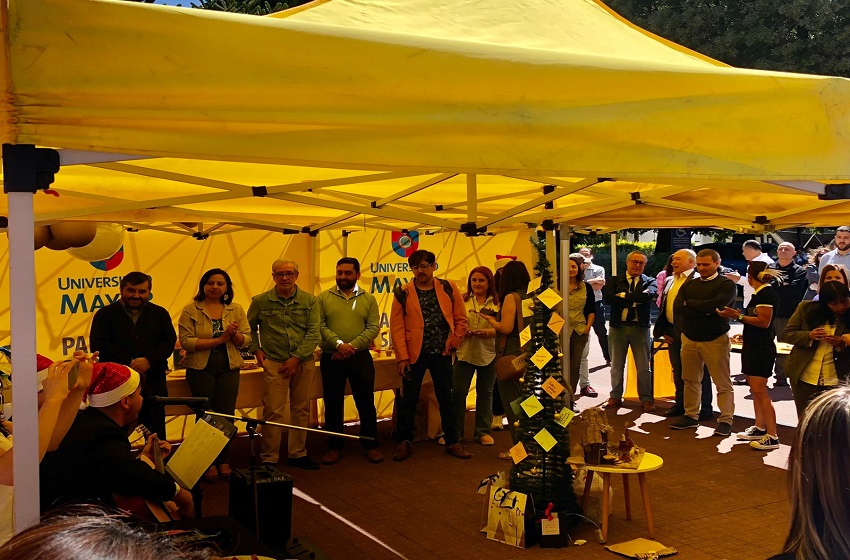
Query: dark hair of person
[
  {"x": 829, "y": 267},
  {"x": 91, "y": 533},
  {"x": 819, "y": 480},
  {"x": 227, "y": 296},
  {"x": 350, "y": 260},
  {"x": 491, "y": 284},
  {"x": 830, "y": 292},
  {"x": 420, "y": 256},
  {"x": 715, "y": 256},
  {"x": 668, "y": 268},
  {"x": 134, "y": 279},
  {"x": 515, "y": 278},
  {"x": 752, "y": 244},
  {"x": 579, "y": 260}
]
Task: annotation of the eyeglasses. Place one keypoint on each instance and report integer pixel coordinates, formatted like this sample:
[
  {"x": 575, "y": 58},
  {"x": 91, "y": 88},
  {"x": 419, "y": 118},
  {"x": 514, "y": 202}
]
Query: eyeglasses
[
  {"x": 639, "y": 263},
  {"x": 424, "y": 266},
  {"x": 287, "y": 274}
]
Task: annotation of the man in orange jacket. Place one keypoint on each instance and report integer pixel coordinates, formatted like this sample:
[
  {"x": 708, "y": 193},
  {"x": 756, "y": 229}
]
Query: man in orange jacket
[{"x": 427, "y": 324}]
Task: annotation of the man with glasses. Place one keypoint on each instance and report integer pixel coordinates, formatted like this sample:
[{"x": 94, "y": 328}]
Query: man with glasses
[
  {"x": 427, "y": 324},
  {"x": 137, "y": 333},
  {"x": 285, "y": 324},
  {"x": 630, "y": 295}
]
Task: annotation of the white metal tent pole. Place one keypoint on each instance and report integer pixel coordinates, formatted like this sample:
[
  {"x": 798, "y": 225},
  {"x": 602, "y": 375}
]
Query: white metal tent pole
[
  {"x": 565, "y": 294},
  {"x": 22, "y": 304},
  {"x": 613, "y": 254}
]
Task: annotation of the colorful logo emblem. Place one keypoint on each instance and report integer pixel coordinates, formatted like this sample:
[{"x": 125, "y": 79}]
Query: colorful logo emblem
[
  {"x": 405, "y": 243},
  {"x": 111, "y": 262}
]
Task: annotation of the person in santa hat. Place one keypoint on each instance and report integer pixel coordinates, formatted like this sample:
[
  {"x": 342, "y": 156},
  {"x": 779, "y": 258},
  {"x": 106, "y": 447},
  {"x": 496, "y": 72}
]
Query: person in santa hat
[
  {"x": 94, "y": 462},
  {"x": 57, "y": 407}
]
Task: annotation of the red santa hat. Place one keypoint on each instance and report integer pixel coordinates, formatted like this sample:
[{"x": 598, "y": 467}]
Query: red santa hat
[
  {"x": 42, "y": 365},
  {"x": 110, "y": 383},
  {"x": 502, "y": 260}
]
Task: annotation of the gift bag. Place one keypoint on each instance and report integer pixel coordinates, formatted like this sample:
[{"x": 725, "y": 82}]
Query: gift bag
[{"x": 509, "y": 517}]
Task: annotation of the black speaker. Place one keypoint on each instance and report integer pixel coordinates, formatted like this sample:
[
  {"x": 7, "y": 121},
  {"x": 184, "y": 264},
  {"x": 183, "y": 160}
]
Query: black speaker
[{"x": 274, "y": 498}]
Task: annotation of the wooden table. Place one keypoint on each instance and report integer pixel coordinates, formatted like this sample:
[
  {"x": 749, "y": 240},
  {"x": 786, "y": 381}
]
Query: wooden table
[{"x": 650, "y": 462}]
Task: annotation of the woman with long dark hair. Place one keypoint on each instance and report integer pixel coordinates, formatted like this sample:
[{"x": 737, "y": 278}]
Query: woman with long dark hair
[
  {"x": 213, "y": 329},
  {"x": 819, "y": 360},
  {"x": 477, "y": 355},
  {"x": 819, "y": 481},
  {"x": 758, "y": 353}
]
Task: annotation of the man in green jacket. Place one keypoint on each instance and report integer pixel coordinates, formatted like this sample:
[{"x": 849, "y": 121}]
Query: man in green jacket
[
  {"x": 285, "y": 325},
  {"x": 350, "y": 323}
]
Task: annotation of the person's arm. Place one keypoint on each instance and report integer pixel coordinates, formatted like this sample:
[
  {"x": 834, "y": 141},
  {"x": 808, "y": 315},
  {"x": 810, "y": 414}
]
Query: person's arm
[
  {"x": 724, "y": 296},
  {"x": 253, "y": 317},
  {"x": 242, "y": 338},
  {"x": 398, "y": 336},
  {"x": 506, "y": 325},
  {"x": 372, "y": 327},
  {"x": 762, "y": 318},
  {"x": 461, "y": 321},
  {"x": 164, "y": 347},
  {"x": 609, "y": 295},
  {"x": 312, "y": 337},
  {"x": 597, "y": 282},
  {"x": 589, "y": 310},
  {"x": 190, "y": 340},
  {"x": 329, "y": 337},
  {"x": 71, "y": 405},
  {"x": 647, "y": 294}
]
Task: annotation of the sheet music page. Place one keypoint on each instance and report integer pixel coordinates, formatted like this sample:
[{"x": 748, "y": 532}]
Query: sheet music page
[{"x": 198, "y": 451}]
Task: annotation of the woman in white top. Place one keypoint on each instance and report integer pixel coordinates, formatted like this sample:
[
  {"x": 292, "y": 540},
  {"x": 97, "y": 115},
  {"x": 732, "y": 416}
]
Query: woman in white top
[{"x": 477, "y": 353}]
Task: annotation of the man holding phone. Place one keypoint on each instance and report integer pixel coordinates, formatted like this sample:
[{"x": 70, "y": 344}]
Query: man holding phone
[{"x": 427, "y": 324}]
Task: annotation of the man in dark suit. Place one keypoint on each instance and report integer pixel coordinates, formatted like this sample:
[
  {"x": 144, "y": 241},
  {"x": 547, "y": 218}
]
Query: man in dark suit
[
  {"x": 134, "y": 332},
  {"x": 668, "y": 327},
  {"x": 630, "y": 296}
]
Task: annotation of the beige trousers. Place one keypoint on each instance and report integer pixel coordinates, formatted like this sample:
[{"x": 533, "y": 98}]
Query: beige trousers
[
  {"x": 715, "y": 355},
  {"x": 278, "y": 394}
]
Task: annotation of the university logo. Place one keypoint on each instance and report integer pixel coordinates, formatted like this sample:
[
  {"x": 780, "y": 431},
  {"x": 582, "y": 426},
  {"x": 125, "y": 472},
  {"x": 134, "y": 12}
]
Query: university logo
[
  {"x": 404, "y": 244},
  {"x": 111, "y": 262}
]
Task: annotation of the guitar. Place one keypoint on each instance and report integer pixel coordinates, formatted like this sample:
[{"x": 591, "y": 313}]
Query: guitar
[{"x": 149, "y": 510}]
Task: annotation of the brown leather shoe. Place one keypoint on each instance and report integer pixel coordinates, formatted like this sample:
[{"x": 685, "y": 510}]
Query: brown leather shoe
[
  {"x": 404, "y": 451},
  {"x": 648, "y": 406},
  {"x": 458, "y": 451},
  {"x": 374, "y": 456},
  {"x": 331, "y": 457},
  {"x": 613, "y": 403}
]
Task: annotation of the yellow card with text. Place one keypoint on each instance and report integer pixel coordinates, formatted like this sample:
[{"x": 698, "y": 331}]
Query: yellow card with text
[
  {"x": 526, "y": 307},
  {"x": 525, "y": 335},
  {"x": 556, "y": 323},
  {"x": 552, "y": 387},
  {"x": 545, "y": 439},
  {"x": 518, "y": 452},
  {"x": 531, "y": 406},
  {"x": 550, "y": 298},
  {"x": 541, "y": 357},
  {"x": 564, "y": 417},
  {"x": 534, "y": 284}
]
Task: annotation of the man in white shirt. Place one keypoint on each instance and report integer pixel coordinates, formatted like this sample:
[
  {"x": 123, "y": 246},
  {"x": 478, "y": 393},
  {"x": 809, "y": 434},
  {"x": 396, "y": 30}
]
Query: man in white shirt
[
  {"x": 752, "y": 252},
  {"x": 841, "y": 253},
  {"x": 595, "y": 276}
]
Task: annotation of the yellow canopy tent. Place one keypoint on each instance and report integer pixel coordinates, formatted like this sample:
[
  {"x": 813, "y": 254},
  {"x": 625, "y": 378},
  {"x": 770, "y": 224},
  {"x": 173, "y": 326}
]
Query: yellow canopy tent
[{"x": 396, "y": 113}]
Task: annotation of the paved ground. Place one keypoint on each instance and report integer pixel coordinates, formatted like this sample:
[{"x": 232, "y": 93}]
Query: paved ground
[{"x": 713, "y": 499}]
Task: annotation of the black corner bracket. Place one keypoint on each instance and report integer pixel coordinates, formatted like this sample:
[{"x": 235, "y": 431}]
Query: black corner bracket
[
  {"x": 200, "y": 236},
  {"x": 259, "y": 191},
  {"x": 471, "y": 229},
  {"x": 27, "y": 169},
  {"x": 835, "y": 192}
]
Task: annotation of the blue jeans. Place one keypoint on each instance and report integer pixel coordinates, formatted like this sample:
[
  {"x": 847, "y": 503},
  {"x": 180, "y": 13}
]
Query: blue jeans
[
  {"x": 441, "y": 374},
  {"x": 463, "y": 372},
  {"x": 620, "y": 339}
]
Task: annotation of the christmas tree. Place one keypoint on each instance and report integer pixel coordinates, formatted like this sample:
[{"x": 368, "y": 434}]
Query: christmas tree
[{"x": 543, "y": 474}]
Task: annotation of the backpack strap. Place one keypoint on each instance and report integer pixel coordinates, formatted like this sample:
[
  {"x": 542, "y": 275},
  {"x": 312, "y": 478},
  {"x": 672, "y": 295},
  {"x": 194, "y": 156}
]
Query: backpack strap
[{"x": 401, "y": 296}]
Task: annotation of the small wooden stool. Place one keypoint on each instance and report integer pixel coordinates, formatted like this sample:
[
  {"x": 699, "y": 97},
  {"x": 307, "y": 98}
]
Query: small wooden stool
[{"x": 650, "y": 462}]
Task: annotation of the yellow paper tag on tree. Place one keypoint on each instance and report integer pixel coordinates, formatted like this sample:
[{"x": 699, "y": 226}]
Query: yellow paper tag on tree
[
  {"x": 564, "y": 417},
  {"x": 552, "y": 387},
  {"x": 534, "y": 284},
  {"x": 556, "y": 323},
  {"x": 525, "y": 335},
  {"x": 518, "y": 452},
  {"x": 526, "y": 307},
  {"x": 541, "y": 357},
  {"x": 531, "y": 406},
  {"x": 545, "y": 439},
  {"x": 550, "y": 298},
  {"x": 519, "y": 362}
]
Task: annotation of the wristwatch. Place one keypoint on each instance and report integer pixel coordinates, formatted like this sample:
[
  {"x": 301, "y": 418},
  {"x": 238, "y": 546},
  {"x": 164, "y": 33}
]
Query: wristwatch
[{"x": 741, "y": 317}]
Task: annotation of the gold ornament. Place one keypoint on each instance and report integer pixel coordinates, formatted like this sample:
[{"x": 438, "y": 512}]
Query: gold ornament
[{"x": 522, "y": 380}]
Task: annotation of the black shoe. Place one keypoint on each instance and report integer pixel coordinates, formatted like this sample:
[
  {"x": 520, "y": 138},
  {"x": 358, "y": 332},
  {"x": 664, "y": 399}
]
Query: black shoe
[
  {"x": 684, "y": 423},
  {"x": 740, "y": 380},
  {"x": 304, "y": 462},
  {"x": 781, "y": 382},
  {"x": 674, "y": 412},
  {"x": 589, "y": 392},
  {"x": 723, "y": 429},
  {"x": 703, "y": 416}
]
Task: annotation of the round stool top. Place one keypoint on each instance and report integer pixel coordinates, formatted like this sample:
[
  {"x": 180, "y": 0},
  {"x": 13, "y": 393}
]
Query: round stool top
[{"x": 650, "y": 462}]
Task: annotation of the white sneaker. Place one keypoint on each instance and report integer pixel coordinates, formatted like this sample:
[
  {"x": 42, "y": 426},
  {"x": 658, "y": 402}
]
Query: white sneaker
[{"x": 752, "y": 433}]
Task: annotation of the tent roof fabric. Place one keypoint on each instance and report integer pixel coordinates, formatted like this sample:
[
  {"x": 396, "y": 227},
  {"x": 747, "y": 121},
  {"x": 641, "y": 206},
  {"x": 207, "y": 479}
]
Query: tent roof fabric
[{"x": 394, "y": 113}]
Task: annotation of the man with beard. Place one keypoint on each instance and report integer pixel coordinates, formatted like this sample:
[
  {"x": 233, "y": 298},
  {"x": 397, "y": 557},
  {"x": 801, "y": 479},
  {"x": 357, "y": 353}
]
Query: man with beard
[
  {"x": 285, "y": 325},
  {"x": 841, "y": 253},
  {"x": 350, "y": 323},
  {"x": 427, "y": 323},
  {"x": 139, "y": 334}
]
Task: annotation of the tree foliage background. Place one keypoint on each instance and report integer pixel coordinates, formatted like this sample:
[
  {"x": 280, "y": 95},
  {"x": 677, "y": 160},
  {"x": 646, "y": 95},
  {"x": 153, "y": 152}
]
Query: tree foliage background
[{"x": 808, "y": 36}]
